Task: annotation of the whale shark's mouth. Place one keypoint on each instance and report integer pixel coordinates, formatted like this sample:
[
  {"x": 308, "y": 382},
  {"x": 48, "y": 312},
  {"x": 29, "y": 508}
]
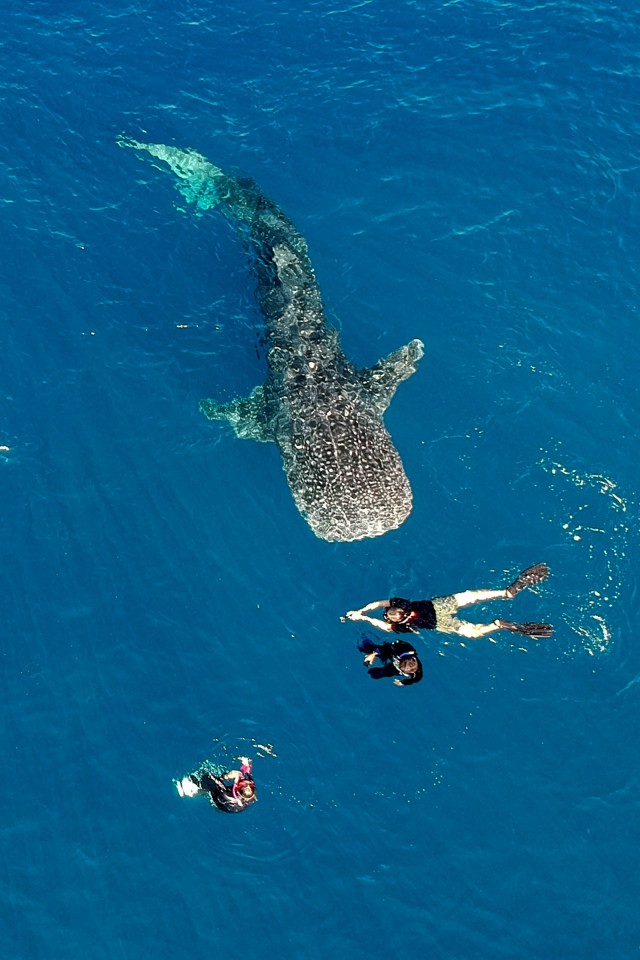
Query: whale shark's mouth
[
  {"x": 358, "y": 521},
  {"x": 341, "y": 509}
]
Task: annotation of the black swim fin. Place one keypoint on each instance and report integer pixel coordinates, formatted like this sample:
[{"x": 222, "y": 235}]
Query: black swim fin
[
  {"x": 539, "y": 631},
  {"x": 528, "y": 578}
]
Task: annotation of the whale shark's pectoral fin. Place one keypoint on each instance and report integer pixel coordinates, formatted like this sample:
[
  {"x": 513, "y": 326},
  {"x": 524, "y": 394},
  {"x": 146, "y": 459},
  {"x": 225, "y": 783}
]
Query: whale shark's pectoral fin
[
  {"x": 247, "y": 416},
  {"x": 381, "y": 380}
]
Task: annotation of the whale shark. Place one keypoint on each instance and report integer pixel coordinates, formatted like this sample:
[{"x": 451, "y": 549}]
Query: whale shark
[{"x": 324, "y": 413}]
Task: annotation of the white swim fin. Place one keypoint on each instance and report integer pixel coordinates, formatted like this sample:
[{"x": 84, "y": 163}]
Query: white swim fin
[{"x": 186, "y": 787}]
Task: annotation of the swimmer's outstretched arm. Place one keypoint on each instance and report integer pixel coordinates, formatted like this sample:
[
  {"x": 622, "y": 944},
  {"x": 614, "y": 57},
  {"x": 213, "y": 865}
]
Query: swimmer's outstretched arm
[
  {"x": 375, "y": 605},
  {"x": 380, "y": 624},
  {"x": 359, "y": 614}
]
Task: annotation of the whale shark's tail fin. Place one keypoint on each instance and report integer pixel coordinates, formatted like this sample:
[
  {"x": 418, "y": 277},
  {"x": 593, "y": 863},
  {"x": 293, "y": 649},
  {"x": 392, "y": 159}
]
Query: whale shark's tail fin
[
  {"x": 199, "y": 182},
  {"x": 255, "y": 215}
]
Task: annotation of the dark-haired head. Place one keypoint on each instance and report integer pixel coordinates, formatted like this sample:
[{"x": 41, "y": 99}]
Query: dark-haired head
[
  {"x": 408, "y": 665},
  {"x": 395, "y": 614}
]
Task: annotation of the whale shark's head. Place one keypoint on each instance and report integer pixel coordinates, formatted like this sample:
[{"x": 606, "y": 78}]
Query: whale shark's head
[{"x": 347, "y": 478}]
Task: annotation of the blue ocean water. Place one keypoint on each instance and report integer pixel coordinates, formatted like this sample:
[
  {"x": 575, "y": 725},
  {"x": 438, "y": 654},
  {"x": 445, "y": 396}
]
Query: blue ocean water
[{"x": 466, "y": 173}]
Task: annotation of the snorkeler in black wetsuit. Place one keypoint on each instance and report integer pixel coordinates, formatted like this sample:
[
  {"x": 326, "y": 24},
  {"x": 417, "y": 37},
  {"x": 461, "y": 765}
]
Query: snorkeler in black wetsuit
[
  {"x": 440, "y": 613},
  {"x": 399, "y": 658},
  {"x": 231, "y": 792}
]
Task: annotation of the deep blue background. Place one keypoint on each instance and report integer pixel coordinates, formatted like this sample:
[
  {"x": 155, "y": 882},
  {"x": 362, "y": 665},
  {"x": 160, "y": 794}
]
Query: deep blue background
[{"x": 466, "y": 173}]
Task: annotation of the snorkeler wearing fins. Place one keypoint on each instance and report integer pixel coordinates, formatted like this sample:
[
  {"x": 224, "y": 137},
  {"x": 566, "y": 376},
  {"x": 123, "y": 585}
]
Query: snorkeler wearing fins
[
  {"x": 440, "y": 613},
  {"x": 232, "y": 791}
]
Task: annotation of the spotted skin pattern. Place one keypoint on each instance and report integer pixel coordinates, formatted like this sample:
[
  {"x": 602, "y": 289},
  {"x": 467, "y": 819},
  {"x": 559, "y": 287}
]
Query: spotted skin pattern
[{"x": 325, "y": 414}]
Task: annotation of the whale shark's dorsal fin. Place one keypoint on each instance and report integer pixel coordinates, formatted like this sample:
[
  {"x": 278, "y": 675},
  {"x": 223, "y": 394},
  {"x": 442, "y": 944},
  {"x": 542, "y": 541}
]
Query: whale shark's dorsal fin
[
  {"x": 247, "y": 416},
  {"x": 382, "y": 379}
]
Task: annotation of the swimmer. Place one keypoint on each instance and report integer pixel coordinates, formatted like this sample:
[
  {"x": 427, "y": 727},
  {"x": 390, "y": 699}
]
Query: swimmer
[
  {"x": 231, "y": 792},
  {"x": 399, "y": 660},
  {"x": 440, "y": 613}
]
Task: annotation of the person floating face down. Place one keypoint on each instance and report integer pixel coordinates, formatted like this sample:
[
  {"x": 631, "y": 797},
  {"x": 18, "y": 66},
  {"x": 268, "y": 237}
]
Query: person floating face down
[
  {"x": 440, "y": 613},
  {"x": 399, "y": 660},
  {"x": 231, "y": 792}
]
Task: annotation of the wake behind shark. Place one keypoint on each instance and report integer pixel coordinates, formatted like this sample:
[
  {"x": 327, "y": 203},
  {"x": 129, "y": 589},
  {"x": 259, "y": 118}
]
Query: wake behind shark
[{"x": 325, "y": 415}]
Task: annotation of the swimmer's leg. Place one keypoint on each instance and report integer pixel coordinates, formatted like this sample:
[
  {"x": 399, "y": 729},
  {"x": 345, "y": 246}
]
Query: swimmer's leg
[
  {"x": 475, "y": 631},
  {"x": 528, "y": 578},
  {"x": 467, "y": 597}
]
